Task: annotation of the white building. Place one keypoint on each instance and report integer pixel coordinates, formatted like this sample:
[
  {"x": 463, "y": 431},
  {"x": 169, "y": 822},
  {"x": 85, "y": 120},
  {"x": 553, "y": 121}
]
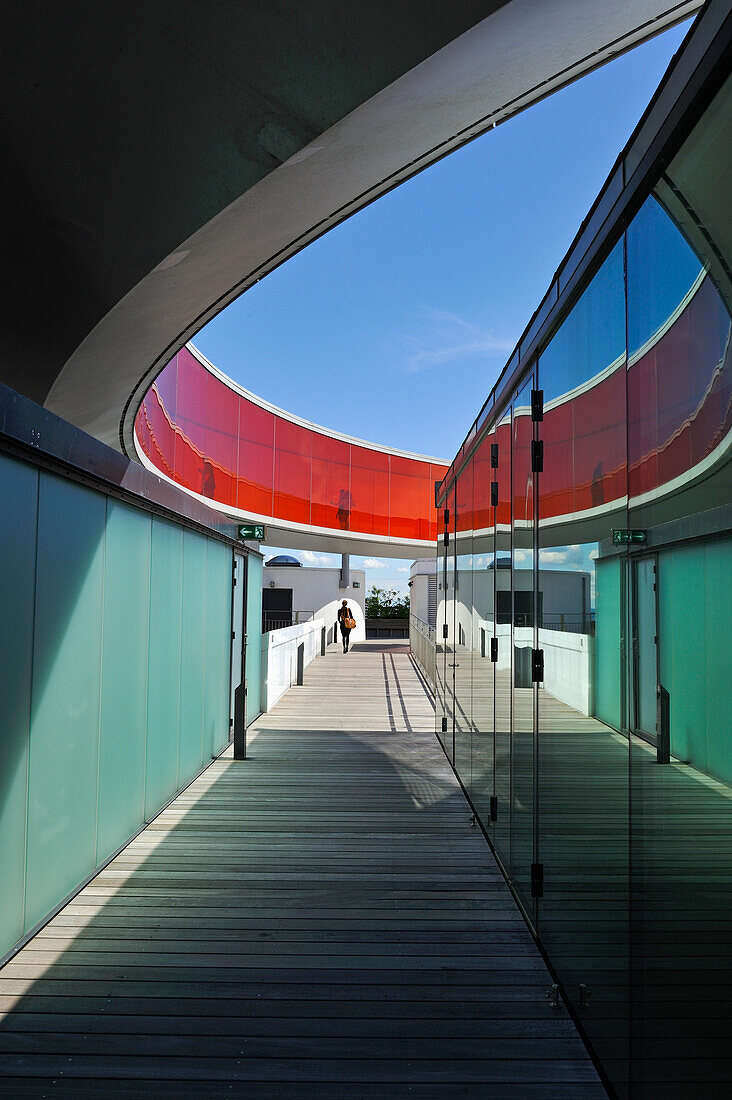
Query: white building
[
  {"x": 423, "y": 590},
  {"x": 295, "y": 593}
]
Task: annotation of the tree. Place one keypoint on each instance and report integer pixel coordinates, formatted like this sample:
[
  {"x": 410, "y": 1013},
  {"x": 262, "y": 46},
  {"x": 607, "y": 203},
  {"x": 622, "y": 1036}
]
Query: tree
[{"x": 386, "y": 603}]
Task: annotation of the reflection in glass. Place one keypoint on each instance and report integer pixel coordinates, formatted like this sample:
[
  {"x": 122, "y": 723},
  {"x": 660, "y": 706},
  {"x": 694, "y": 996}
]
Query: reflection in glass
[
  {"x": 522, "y": 616},
  {"x": 628, "y": 599}
]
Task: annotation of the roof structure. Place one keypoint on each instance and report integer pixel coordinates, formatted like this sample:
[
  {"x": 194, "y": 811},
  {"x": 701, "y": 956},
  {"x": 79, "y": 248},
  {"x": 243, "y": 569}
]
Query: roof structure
[{"x": 167, "y": 156}]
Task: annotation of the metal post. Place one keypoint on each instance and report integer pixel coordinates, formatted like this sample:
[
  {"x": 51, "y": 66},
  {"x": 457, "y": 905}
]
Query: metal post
[
  {"x": 300, "y": 663},
  {"x": 663, "y": 725},
  {"x": 240, "y": 723},
  {"x": 322, "y": 642}
]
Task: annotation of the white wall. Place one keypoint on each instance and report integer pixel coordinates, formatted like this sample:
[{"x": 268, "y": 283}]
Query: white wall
[
  {"x": 567, "y": 660},
  {"x": 318, "y": 591},
  {"x": 420, "y": 573},
  {"x": 279, "y": 658}
]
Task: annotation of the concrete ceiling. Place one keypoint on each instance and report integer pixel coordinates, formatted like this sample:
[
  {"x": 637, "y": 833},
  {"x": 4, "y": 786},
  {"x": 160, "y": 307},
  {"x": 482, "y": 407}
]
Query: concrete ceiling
[{"x": 163, "y": 156}]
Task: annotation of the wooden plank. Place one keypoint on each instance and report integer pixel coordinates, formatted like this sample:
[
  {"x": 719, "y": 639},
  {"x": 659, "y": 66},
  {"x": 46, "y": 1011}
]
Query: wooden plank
[{"x": 320, "y": 919}]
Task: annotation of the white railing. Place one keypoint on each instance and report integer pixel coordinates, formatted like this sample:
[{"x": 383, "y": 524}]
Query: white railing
[
  {"x": 280, "y": 657},
  {"x": 422, "y": 644}
]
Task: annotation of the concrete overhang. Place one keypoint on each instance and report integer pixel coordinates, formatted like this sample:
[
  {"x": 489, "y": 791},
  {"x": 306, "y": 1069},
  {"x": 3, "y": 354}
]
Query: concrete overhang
[{"x": 174, "y": 154}]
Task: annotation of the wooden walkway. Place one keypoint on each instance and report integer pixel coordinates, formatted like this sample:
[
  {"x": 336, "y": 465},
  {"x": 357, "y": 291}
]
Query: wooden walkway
[{"x": 318, "y": 921}]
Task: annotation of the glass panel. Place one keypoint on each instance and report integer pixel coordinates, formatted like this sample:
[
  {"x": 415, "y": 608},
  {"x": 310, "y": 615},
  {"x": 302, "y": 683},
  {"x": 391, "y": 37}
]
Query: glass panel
[
  {"x": 194, "y": 611},
  {"x": 582, "y": 760},
  {"x": 483, "y": 590},
  {"x": 164, "y": 665},
  {"x": 292, "y": 471},
  {"x": 64, "y": 737},
  {"x": 189, "y": 466},
  {"x": 331, "y": 502},
  {"x": 370, "y": 492},
  {"x": 19, "y": 495},
  {"x": 256, "y": 459},
  {"x": 221, "y": 444},
  {"x": 121, "y": 802},
  {"x": 680, "y": 485},
  {"x": 238, "y": 629},
  {"x": 218, "y": 649},
  {"x": 502, "y": 618},
  {"x": 254, "y": 634},
  {"x": 411, "y": 497},
  {"x": 522, "y": 618},
  {"x": 463, "y": 648},
  {"x": 444, "y": 659}
]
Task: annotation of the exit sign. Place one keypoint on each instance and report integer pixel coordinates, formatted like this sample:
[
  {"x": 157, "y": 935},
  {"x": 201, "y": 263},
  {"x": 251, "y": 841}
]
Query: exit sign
[
  {"x": 251, "y": 531},
  {"x": 623, "y": 536}
]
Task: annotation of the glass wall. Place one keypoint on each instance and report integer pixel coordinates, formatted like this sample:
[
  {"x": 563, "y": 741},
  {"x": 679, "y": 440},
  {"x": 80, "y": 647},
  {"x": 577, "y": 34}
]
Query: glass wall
[
  {"x": 219, "y": 443},
  {"x": 114, "y": 679},
  {"x": 588, "y": 613}
]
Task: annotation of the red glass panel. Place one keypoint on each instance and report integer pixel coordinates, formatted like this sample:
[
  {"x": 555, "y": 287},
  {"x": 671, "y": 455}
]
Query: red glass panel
[
  {"x": 523, "y": 482},
  {"x": 642, "y": 426},
  {"x": 190, "y": 445},
  {"x": 225, "y": 446},
  {"x": 503, "y": 438},
  {"x": 256, "y": 459},
  {"x": 142, "y": 430},
  {"x": 330, "y": 488},
  {"x": 599, "y": 444},
  {"x": 411, "y": 498},
  {"x": 166, "y": 384},
  {"x": 161, "y": 434},
  {"x": 464, "y": 520},
  {"x": 483, "y": 476},
  {"x": 370, "y": 491},
  {"x": 220, "y": 450},
  {"x": 292, "y": 471},
  {"x": 437, "y": 473},
  {"x": 557, "y": 430}
]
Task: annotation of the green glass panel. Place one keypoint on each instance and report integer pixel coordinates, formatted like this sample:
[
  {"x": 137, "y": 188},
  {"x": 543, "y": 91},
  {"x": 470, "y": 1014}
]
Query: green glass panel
[
  {"x": 161, "y": 770},
  {"x": 717, "y": 649},
  {"x": 254, "y": 636},
  {"x": 682, "y": 652},
  {"x": 19, "y": 496},
  {"x": 608, "y": 669},
  {"x": 193, "y": 652},
  {"x": 218, "y": 648},
  {"x": 64, "y": 740},
  {"x": 121, "y": 807}
]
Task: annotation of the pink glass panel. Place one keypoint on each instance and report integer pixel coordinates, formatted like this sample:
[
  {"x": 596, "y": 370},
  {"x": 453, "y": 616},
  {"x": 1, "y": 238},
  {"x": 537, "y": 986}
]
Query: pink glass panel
[
  {"x": 256, "y": 460},
  {"x": 293, "y": 445}
]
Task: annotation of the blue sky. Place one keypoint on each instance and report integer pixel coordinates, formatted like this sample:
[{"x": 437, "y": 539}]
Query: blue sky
[{"x": 394, "y": 326}]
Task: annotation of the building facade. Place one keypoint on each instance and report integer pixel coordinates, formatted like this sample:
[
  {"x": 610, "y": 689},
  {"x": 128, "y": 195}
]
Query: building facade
[{"x": 584, "y": 619}]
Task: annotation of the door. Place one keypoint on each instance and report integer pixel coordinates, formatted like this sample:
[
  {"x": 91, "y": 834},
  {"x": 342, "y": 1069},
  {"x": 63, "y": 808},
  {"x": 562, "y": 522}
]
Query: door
[
  {"x": 238, "y": 628},
  {"x": 276, "y": 608},
  {"x": 645, "y": 646}
]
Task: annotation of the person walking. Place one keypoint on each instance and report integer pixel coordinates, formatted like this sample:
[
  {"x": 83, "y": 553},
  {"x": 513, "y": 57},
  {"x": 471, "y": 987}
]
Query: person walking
[{"x": 347, "y": 623}]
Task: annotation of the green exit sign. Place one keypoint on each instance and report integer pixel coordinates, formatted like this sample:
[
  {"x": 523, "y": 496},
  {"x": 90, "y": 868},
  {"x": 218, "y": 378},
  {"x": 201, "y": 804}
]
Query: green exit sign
[
  {"x": 623, "y": 536},
  {"x": 251, "y": 531}
]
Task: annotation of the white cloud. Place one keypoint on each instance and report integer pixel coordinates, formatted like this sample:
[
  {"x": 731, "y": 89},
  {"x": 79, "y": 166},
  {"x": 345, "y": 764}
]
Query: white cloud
[
  {"x": 310, "y": 558},
  {"x": 402, "y": 569},
  {"x": 553, "y": 557},
  {"x": 447, "y": 338},
  {"x": 374, "y": 563}
]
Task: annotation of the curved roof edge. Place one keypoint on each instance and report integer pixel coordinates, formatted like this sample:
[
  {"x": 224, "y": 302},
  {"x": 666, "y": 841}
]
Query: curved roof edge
[{"x": 515, "y": 57}]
